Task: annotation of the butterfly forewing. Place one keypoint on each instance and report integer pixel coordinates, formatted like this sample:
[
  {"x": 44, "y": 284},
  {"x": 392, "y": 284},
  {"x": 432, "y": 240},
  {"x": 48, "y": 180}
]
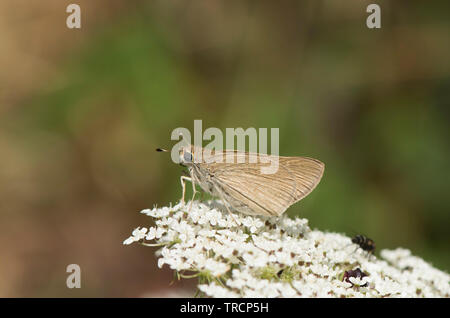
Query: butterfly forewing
[
  {"x": 247, "y": 189},
  {"x": 261, "y": 193},
  {"x": 307, "y": 173}
]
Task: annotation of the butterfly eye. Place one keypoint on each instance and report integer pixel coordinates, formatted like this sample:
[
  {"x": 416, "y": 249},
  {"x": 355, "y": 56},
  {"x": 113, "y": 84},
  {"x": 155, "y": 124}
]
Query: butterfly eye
[{"x": 187, "y": 157}]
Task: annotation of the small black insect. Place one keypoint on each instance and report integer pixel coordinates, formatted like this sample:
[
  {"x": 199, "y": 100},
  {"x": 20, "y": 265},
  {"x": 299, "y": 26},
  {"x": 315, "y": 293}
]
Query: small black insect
[
  {"x": 357, "y": 273},
  {"x": 280, "y": 272},
  {"x": 365, "y": 243}
]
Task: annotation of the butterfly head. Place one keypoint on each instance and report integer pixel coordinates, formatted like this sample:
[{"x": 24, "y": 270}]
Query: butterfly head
[{"x": 186, "y": 156}]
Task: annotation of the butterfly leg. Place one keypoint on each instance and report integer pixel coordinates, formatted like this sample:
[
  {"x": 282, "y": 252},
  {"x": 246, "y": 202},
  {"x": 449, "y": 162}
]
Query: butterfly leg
[
  {"x": 194, "y": 192},
  {"x": 183, "y": 180},
  {"x": 226, "y": 206},
  {"x": 231, "y": 214}
]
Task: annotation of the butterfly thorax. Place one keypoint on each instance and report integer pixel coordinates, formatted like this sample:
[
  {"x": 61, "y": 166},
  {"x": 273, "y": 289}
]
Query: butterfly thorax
[{"x": 203, "y": 178}]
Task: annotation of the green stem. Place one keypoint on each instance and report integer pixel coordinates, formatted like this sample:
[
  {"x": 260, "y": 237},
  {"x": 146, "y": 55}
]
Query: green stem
[{"x": 156, "y": 244}]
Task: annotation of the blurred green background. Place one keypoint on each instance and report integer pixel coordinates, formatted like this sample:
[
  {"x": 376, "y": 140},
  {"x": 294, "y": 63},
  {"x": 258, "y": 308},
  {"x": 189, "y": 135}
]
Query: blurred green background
[{"x": 82, "y": 111}]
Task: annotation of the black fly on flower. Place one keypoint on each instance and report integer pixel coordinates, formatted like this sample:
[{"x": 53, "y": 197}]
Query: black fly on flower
[{"x": 364, "y": 243}]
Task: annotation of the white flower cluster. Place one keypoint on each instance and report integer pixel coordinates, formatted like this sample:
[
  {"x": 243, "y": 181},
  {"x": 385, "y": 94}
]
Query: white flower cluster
[{"x": 279, "y": 257}]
